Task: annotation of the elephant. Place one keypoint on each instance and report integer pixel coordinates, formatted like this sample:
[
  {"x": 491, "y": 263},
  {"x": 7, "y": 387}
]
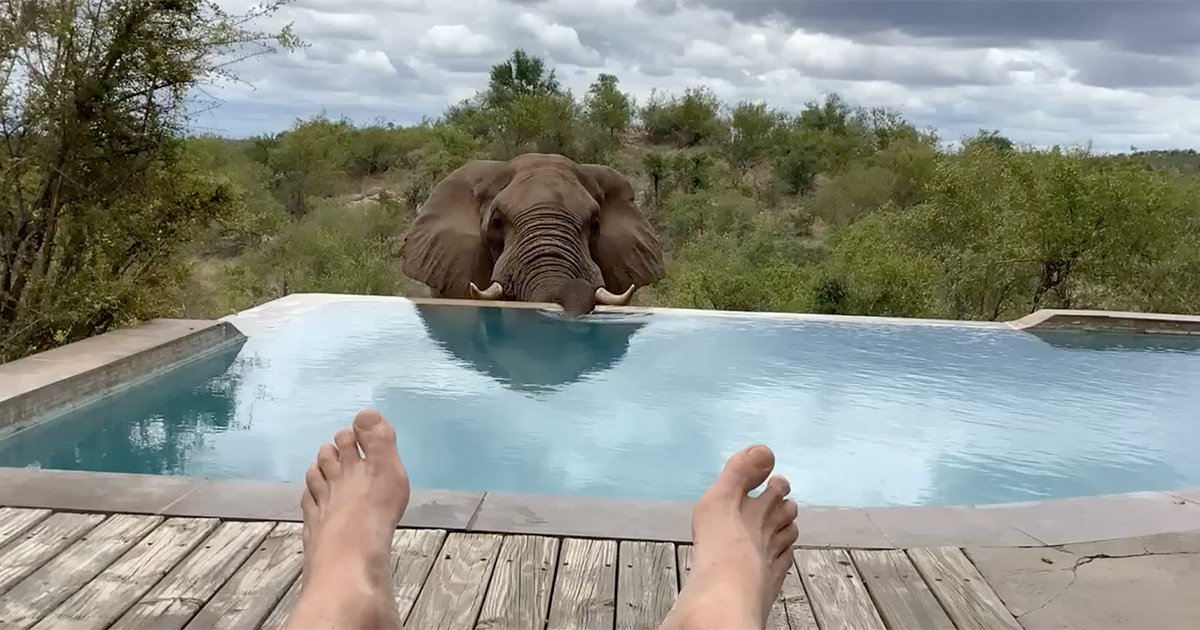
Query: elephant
[
  {"x": 528, "y": 350},
  {"x": 537, "y": 228}
]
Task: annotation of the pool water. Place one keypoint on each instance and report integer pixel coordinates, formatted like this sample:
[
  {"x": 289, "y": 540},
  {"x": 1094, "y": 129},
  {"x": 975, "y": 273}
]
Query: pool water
[{"x": 649, "y": 406}]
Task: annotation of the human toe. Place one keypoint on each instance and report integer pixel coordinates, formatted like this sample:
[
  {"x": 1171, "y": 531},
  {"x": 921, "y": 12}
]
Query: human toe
[
  {"x": 782, "y": 516},
  {"x": 783, "y": 540},
  {"x": 328, "y": 463},
  {"x": 772, "y": 496},
  {"x": 745, "y": 470},
  {"x": 347, "y": 447},
  {"x": 376, "y": 437},
  {"x": 315, "y": 483}
]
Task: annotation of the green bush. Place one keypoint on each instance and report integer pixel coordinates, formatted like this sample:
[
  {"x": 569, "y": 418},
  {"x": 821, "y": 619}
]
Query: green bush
[
  {"x": 339, "y": 248},
  {"x": 688, "y": 120}
]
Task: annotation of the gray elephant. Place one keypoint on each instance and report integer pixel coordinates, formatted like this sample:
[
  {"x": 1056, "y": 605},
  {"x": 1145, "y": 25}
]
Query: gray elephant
[
  {"x": 529, "y": 350},
  {"x": 537, "y": 228}
]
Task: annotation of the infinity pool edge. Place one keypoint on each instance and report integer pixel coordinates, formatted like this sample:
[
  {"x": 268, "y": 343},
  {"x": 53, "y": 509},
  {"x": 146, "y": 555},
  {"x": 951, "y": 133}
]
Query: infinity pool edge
[
  {"x": 100, "y": 366},
  {"x": 1028, "y": 524}
]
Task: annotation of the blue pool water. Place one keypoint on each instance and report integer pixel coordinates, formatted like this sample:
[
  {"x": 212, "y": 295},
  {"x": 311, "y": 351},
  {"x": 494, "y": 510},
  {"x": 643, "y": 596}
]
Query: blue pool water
[{"x": 648, "y": 406}]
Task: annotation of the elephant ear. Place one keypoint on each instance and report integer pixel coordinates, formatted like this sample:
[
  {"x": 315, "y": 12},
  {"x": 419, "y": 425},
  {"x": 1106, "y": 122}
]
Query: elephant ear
[
  {"x": 445, "y": 248},
  {"x": 626, "y": 249}
]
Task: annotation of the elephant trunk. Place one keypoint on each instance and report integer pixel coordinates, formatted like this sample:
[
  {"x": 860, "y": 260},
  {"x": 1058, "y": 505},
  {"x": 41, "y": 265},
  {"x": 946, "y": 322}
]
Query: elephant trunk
[{"x": 544, "y": 261}]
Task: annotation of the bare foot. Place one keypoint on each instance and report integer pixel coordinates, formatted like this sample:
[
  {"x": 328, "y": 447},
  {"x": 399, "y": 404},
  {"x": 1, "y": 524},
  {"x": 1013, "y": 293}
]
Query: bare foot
[
  {"x": 352, "y": 504},
  {"x": 742, "y": 547}
]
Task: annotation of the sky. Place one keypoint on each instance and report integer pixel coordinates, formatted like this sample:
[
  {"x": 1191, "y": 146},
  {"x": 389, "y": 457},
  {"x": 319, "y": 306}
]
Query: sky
[{"x": 1116, "y": 73}]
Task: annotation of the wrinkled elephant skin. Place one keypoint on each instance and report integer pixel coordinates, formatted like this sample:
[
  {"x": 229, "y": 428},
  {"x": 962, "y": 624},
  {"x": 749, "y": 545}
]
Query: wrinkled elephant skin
[{"x": 537, "y": 228}]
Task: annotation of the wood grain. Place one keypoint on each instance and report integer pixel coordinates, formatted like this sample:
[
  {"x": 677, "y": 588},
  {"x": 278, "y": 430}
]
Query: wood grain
[
  {"x": 585, "y": 589},
  {"x": 413, "y": 554},
  {"x": 279, "y": 616},
  {"x": 796, "y": 603},
  {"x": 454, "y": 591},
  {"x": 14, "y": 522},
  {"x": 254, "y": 590},
  {"x": 35, "y": 596},
  {"x": 174, "y": 600},
  {"x": 519, "y": 593},
  {"x": 839, "y": 599},
  {"x": 118, "y": 587},
  {"x": 647, "y": 583},
  {"x": 962, "y": 591},
  {"x": 901, "y": 596},
  {"x": 40, "y": 543}
]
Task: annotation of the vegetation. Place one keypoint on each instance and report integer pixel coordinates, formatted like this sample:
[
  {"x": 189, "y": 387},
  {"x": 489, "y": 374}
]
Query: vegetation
[{"x": 112, "y": 214}]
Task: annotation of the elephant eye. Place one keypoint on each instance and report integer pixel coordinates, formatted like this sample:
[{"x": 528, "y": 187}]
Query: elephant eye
[{"x": 595, "y": 223}]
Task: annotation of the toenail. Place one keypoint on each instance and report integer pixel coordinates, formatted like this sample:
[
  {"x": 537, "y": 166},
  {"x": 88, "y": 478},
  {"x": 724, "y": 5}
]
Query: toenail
[
  {"x": 368, "y": 418},
  {"x": 760, "y": 455}
]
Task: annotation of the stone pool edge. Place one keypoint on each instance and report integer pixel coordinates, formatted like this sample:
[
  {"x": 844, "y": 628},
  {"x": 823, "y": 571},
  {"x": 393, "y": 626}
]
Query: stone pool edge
[
  {"x": 46, "y": 385},
  {"x": 269, "y": 314},
  {"x": 1029, "y": 524}
]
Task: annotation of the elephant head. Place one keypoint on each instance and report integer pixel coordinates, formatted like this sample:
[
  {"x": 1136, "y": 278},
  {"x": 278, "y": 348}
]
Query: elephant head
[
  {"x": 537, "y": 228},
  {"x": 527, "y": 350}
]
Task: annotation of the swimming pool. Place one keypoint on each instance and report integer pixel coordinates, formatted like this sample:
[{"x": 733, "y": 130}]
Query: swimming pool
[{"x": 649, "y": 405}]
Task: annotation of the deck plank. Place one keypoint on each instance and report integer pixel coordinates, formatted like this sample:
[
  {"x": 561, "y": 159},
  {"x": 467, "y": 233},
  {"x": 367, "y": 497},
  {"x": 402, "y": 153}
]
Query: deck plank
[
  {"x": 585, "y": 590},
  {"x": 962, "y": 591},
  {"x": 796, "y": 602},
  {"x": 33, "y": 597},
  {"x": 40, "y": 543},
  {"x": 454, "y": 591},
  {"x": 839, "y": 599},
  {"x": 413, "y": 553},
  {"x": 791, "y": 609},
  {"x": 14, "y": 522},
  {"x": 172, "y": 602},
  {"x": 108, "y": 595},
  {"x": 279, "y": 616},
  {"x": 254, "y": 590},
  {"x": 519, "y": 593},
  {"x": 647, "y": 583},
  {"x": 901, "y": 596}
]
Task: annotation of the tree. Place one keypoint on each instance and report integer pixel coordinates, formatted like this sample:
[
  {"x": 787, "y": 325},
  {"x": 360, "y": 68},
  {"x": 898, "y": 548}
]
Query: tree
[
  {"x": 686, "y": 120},
  {"x": 519, "y": 75},
  {"x": 607, "y": 107},
  {"x": 94, "y": 200},
  {"x": 751, "y": 128},
  {"x": 308, "y": 160}
]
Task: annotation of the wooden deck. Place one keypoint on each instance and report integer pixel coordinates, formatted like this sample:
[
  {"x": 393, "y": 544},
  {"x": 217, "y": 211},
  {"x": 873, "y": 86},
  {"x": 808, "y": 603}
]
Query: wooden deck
[{"x": 81, "y": 571}]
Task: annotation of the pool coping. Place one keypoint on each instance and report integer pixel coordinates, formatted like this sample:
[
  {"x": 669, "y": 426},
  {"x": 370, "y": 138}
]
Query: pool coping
[
  {"x": 93, "y": 368},
  {"x": 46, "y": 385},
  {"x": 1028, "y": 524},
  {"x": 268, "y": 314}
]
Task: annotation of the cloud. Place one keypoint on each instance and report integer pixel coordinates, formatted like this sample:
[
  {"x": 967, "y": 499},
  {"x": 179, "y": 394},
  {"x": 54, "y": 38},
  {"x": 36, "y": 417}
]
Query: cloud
[
  {"x": 1113, "y": 72},
  {"x": 455, "y": 40}
]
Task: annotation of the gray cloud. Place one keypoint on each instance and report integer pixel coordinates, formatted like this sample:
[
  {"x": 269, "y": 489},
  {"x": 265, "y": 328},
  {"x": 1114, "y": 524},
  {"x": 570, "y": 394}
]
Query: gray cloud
[
  {"x": 1113, "y": 69},
  {"x": 1040, "y": 71},
  {"x": 1149, "y": 26}
]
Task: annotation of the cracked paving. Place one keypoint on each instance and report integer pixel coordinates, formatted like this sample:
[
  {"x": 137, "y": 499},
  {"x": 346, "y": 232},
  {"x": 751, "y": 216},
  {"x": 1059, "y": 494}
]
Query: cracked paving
[{"x": 1146, "y": 582}]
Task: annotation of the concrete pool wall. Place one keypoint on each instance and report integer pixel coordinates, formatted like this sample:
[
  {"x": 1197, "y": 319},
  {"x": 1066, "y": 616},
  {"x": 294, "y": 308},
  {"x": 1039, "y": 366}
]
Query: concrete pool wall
[{"x": 46, "y": 385}]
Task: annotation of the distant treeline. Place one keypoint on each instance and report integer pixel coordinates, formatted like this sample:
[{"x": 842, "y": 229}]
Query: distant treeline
[{"x": 828, "y": 207}]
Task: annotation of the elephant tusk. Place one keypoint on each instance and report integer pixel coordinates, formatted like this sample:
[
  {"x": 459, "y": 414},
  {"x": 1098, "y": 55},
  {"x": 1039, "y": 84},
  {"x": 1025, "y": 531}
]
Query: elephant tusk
[
  {"x": 494, "y": 292},
  {"x": 603, "y": 296}
]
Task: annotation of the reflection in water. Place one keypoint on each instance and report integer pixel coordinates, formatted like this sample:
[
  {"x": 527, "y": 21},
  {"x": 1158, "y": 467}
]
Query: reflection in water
[
  {"x": 149, "y": 429},
  {"x": 529, "y": 351},
  {"x": 513, "y": 400},
  {"x": 1119, "y": 342}
]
